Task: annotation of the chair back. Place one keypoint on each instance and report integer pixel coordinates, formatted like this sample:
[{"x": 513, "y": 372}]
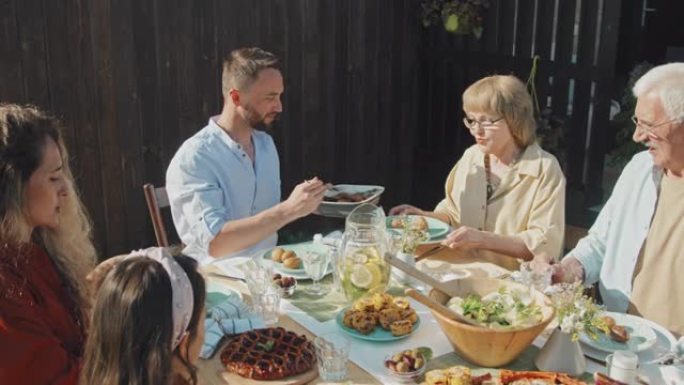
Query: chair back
[{"x": 157, "y": 199}]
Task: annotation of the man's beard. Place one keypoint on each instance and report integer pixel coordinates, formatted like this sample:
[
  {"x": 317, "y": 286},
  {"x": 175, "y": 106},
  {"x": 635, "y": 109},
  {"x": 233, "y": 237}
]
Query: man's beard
[{"x": 258, "y": 122}]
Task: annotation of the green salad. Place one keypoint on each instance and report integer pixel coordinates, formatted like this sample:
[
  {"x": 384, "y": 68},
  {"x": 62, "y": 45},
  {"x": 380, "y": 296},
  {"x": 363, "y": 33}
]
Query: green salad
[{"x": 501, "y": 309}]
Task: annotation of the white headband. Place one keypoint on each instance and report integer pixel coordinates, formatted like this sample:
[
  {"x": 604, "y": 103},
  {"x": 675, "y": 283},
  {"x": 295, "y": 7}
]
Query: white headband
[{"x": 181, "y": 289}]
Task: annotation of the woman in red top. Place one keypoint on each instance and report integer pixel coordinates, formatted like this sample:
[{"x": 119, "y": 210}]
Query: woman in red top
[{"x": 45, "y": 253}]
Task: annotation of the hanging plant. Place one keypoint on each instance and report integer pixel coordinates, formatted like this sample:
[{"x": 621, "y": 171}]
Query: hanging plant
[
  {"x": 551, "y": 129},
  {"x": 457, "y": 16}
]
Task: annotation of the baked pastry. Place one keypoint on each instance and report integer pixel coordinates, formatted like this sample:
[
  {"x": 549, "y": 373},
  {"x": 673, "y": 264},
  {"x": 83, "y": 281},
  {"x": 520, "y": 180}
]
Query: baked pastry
[
  {"x": 401, "y": 303},
  {"x": 381, "y": 301},
  {"x": 509, "y": 377},
  {"x": 383, "y": 309},
  {"x": 348, "y": 318},
  {"x": 364, "y": 304},
  {"x": 387, "y": 316},
  {"x": 292, "y": 263},
  {"x": 436, "y": 377},
  {"x": 409, "y": 314},
  {"x": 401, "y": 327},
  {"x": 364, "y": 322},
  {"x": 455, "y": 375},
  {"x": 287, "y": 254},
  {"x": 277, "y": 254},
  {"x": 268, "y": 354}
]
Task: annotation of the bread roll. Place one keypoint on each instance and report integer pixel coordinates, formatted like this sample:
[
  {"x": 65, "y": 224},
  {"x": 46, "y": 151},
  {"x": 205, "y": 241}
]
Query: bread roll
[
  {"x": 292, "y": 263},
  {"x": 287, "y": 254},
  {"x": 277, "y": 254}
]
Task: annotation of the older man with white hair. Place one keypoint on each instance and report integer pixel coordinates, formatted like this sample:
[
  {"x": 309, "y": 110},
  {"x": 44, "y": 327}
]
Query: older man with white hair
[{"x": 635, "y": 249}]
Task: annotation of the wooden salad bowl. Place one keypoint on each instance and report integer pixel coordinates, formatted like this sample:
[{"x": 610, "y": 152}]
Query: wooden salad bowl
[{"x": 481, "y": 345}]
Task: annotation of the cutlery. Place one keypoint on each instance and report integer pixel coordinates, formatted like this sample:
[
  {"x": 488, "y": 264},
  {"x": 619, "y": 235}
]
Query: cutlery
[
  {"x": 436, "y": 306},
  {"x": 429, "y": 252}
]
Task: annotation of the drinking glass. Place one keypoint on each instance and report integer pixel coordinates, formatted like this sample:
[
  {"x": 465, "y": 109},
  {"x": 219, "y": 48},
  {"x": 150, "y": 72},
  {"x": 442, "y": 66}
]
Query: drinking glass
[
  {"x": 316, "y": 265},
  {"x": 332, "y": 352},
  {"x": 267, "y": 305},
  {"x": 259, "y": 279}
]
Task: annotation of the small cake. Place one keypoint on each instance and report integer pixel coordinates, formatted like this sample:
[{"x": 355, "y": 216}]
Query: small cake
[{"x": 401, "y": 327}]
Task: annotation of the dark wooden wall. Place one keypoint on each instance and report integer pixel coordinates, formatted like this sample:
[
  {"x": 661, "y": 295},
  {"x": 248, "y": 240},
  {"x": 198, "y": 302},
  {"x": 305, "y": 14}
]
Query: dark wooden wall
[
  {"x": 133, "y": 78},
  {"x": 371, "y": 96}
]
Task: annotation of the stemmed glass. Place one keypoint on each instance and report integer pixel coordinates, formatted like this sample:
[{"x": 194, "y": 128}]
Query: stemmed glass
[{"x": 316, "y": 265}]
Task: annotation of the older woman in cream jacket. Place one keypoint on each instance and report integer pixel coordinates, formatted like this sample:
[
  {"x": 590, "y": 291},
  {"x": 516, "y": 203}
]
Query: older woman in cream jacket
[{"x": 505, "y": 197}]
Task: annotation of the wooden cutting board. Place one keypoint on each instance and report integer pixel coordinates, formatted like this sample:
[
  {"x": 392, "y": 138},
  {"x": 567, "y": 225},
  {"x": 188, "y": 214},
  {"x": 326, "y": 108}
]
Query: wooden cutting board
[{"x": 304, "y": 378}]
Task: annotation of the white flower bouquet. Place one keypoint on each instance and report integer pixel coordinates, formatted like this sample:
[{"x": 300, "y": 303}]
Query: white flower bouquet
[{"x": 576, "y": 312}]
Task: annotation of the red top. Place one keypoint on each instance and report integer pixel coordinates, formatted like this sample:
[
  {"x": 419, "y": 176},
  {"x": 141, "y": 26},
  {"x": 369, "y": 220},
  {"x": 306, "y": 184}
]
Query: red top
[{"x": 41, "y": 337}]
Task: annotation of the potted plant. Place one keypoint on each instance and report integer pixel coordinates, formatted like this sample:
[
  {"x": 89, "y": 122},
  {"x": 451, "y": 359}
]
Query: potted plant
[{"x": 457, "y": 16}]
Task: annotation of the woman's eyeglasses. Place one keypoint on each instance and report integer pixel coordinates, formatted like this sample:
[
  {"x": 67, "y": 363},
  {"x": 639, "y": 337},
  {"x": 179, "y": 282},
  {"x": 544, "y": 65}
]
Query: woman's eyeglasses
[{"x": 473, "y": 124}]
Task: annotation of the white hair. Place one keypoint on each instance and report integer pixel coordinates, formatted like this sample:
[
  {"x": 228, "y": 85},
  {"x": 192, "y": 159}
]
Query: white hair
[{"x": 666, "y": 81}]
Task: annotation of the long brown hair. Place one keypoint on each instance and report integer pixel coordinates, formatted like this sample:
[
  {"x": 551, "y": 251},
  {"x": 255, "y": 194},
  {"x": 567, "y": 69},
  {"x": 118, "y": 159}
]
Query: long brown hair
[
  {"x": 24, "y": 132},
  {"x": 130, "y": 340}
]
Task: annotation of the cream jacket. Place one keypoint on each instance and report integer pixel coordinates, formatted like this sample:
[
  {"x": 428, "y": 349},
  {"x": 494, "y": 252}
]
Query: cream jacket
[{"x": 528, "y": 204}]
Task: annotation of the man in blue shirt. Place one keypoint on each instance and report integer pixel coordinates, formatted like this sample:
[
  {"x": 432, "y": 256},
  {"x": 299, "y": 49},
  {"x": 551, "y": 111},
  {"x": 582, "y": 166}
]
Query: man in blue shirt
[{"x": 224, "y": 182}]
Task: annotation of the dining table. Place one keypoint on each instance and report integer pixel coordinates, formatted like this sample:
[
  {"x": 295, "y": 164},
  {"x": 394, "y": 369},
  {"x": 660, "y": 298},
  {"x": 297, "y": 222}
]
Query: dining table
[
  {"x": 209, "y": 371},
  {"x": 359, "y": 370}
]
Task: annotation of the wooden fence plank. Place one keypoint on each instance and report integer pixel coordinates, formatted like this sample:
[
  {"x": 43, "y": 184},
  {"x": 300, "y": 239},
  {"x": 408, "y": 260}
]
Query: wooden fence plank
[
  {"x": 609, "y": 28},
  {"x": 33, "y": 54},
  {"x": 11, "y": 81},
  {"x": 111, "y": 173},
  {"x": 84, "y": 117}
]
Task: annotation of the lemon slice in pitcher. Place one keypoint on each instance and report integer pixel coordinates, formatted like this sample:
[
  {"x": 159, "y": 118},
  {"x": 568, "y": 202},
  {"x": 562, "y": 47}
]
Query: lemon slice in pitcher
[{"x": 366, "y": 276}]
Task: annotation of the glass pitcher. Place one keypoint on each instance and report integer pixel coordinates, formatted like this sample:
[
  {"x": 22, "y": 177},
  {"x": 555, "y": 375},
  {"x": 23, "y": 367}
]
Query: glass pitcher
[{"x": 361, "y": 264}]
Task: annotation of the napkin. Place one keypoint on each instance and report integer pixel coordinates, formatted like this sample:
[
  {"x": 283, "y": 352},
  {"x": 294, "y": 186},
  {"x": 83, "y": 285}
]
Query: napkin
[
  {"x": 672, "y": 375},
  {"x": 228, "y": 317}
]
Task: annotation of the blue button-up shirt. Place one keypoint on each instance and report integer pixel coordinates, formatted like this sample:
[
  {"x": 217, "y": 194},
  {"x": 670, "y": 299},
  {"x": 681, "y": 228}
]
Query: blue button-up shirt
[
  {"x": 610, "y": 251},
  {"x": 211, "y": 180}
]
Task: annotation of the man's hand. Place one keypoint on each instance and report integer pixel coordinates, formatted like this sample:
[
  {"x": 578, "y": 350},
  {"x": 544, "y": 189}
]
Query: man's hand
[
  {"x": 568, "y": 271},
  {"x": 465, "y": 238},
  {"x": 305, "y": 198},
  {"x": 406, "y": 210}
]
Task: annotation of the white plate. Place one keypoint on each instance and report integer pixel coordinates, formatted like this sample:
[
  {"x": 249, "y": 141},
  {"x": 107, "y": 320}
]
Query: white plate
[
  {"x": 436, "y": 228},
  {"x": 342, "y": 209},
  {"x": 665, "y": 342},
  {"x": 299, "y": 249},
  {"x": 218, "y": 292}
]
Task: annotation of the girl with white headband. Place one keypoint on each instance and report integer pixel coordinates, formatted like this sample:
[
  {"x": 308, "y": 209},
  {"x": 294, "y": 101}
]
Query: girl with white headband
[{"x": 148, "y": 321}]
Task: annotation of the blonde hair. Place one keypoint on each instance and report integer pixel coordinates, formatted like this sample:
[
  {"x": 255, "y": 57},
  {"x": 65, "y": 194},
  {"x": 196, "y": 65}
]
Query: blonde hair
[
  {"x": 243, "y": 65},
  {"x": 24, "y": 131},
  {"x": 506, "y": 96}
]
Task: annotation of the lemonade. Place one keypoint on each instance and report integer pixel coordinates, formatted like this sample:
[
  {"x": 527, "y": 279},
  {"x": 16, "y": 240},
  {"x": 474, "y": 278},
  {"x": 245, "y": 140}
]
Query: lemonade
[{"x": 364, "y": 272}]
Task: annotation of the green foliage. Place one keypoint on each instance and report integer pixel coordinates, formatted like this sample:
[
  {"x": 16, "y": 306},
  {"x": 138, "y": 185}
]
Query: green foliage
[
  {"x": 576, "y": 312},
  {"x": 457, "y": 16}
]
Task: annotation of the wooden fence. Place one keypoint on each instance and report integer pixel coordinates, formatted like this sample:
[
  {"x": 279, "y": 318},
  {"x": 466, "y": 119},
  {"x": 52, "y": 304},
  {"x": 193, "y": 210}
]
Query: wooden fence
[
  {"x": 371, "y": 96},
  {"x": 576, "y": 41}
]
